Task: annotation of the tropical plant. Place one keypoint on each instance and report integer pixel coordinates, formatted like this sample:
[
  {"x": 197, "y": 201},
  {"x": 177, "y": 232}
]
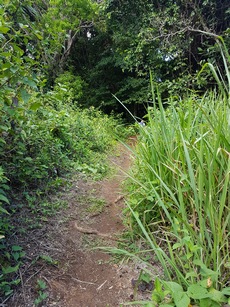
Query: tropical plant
[{"x": 179, "y": 198}]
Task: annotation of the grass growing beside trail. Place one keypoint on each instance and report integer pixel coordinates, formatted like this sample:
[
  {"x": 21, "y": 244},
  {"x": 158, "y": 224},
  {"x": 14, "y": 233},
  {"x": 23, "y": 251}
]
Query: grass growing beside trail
[{"x": 179, "y": 198}]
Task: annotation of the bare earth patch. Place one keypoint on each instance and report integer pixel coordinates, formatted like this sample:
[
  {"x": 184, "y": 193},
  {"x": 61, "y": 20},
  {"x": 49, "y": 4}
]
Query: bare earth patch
[{"x": 77, "y": 275}]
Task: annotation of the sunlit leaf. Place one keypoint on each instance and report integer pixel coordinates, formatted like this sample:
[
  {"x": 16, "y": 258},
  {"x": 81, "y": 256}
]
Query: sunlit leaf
[
  {"x": 4, "y": 30},
  {"x": 35, "y": 106}
]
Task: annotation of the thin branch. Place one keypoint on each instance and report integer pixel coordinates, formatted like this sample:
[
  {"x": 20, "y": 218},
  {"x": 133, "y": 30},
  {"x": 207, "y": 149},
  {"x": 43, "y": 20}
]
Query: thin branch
[
  {"x": 187, "y": 29},
  {"x": 82, "y": 281},
  {"x": 204, "y": 32}
]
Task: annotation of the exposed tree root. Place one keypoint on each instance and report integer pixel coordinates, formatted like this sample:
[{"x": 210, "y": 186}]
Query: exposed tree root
[{"x": 95, "y": 232}]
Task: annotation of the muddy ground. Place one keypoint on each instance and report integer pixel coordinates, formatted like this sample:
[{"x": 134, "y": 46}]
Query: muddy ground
[{"x": 68, "y": 271}]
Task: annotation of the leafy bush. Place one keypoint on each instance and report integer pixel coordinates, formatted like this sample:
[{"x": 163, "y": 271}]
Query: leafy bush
[
  {"x": 45, "y": 139},
  {"x": 68, "y": 87},
  {"x": 40, "y": 140}
]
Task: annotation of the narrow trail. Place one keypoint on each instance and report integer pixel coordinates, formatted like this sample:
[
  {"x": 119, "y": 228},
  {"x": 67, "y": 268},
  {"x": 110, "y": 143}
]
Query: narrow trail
[
  {"x": 90, "y": 279},
  {"x": 79, "y": 276}
]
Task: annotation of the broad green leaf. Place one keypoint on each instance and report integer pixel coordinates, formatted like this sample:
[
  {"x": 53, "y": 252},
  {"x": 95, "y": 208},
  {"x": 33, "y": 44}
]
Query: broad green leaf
[
  {"x": 10, "y": 269},
  {"x": 181, "y": 299},
  {"x": 13, "y": 69},
  {"x": 29, "y": 82},
  {"x": 2, "y": 141},
  {"x": 39, "y": 36},
  {"x": 35, "y": 106},
  {"x": 16, "y": 248},
  {"x": 5, "y": 54},
  {"x": 5, "y": 187},
  {"x": 197, "y": 292},
  {"x": 25, "y": 95},
  {"x": 217, "y": 296},
  {"x": 5, "y": 128},
  {"x": 146, "y": 277},
  {"x": 16, "y": 256},
  {"x": 191, "y": 274},
  {"x": 8, "y": 291},
  {"x": 42, "y": 285},
  {"x": 173, "y": 286},
  {"x": 207, "y": 302},
  {"x": 48, "y": 259},
  {"x": 19, "y": 50},
  {"x": 206, "y": 283},
  {"x": 4, "y": 30},
  {"x": 176, "y": 245},
  {"x": 205, "y": 271},
  {"x": 157, "y": 285},
  {"x": 5, "y": 66}
]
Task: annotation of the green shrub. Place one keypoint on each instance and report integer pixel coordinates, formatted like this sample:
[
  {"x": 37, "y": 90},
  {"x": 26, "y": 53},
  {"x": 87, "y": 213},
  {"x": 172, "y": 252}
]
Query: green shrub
[{"x": 45, "y": 138}]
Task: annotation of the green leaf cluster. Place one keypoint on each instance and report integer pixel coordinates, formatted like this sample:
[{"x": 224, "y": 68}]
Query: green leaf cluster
[
  {"x": 168, "y": 293},
  {"x": 11, "y": 260}
]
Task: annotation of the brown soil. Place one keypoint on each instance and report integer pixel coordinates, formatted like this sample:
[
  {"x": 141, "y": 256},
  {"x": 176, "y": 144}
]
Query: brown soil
[{"x": 82, "y": 276}]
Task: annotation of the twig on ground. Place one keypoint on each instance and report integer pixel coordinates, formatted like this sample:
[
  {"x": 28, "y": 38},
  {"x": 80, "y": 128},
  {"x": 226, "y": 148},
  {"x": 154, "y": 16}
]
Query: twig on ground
[
  {"x": 86, "y": 230},
  {"x": 99, "y": 288},
  {"x": 34, "y": 274},
  {"x": 95, "y": 232},
  {"x": 47, "y": 281},
  {"x": 121, "y": 197},
  {"x": 82, "y": 281},
  {"x": 23, "y": 288},
  {"x": 3, "y": 303}
]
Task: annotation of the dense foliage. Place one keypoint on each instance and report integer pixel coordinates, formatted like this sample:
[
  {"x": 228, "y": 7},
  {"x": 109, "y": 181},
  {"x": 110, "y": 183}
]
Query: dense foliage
[
  {"x": 40, "y": 132},
  {"x": 43, "y": 133},
  {"x": 113, "y": 44},
  {"x": 171, "y": 38},
  {"x": 59, "y": 57}
]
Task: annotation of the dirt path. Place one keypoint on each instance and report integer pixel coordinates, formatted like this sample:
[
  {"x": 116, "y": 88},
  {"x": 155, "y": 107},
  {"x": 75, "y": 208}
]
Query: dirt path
[
  {"x": 89, "y": 279},
  {"x": 82, "y": 277}
]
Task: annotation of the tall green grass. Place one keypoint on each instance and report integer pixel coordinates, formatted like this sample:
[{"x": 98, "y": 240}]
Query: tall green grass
[
  {"x": 180, "y": 187},
  {"x": 179, "y": 196},
  {"x": 222, "y": 79}
]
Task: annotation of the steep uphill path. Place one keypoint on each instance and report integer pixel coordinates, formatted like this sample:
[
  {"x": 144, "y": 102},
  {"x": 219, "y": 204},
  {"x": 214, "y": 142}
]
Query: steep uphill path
[{"x": 82, "y": 277}]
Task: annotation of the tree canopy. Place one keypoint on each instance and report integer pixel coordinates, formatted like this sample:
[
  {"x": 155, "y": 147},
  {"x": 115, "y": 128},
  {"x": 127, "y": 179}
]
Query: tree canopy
[
  {"x": 171, "y": 38},
  {"x": 111, "y": 46}
]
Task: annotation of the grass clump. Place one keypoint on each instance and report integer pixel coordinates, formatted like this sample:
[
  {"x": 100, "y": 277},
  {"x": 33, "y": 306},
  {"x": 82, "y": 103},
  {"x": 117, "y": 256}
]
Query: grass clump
[
  {"x": 179, "y": 196},
  {"x": 96, "y": 205}
]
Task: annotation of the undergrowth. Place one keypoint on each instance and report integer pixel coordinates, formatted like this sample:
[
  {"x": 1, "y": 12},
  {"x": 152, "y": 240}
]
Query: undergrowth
[{"x": 42, "y": 142}]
